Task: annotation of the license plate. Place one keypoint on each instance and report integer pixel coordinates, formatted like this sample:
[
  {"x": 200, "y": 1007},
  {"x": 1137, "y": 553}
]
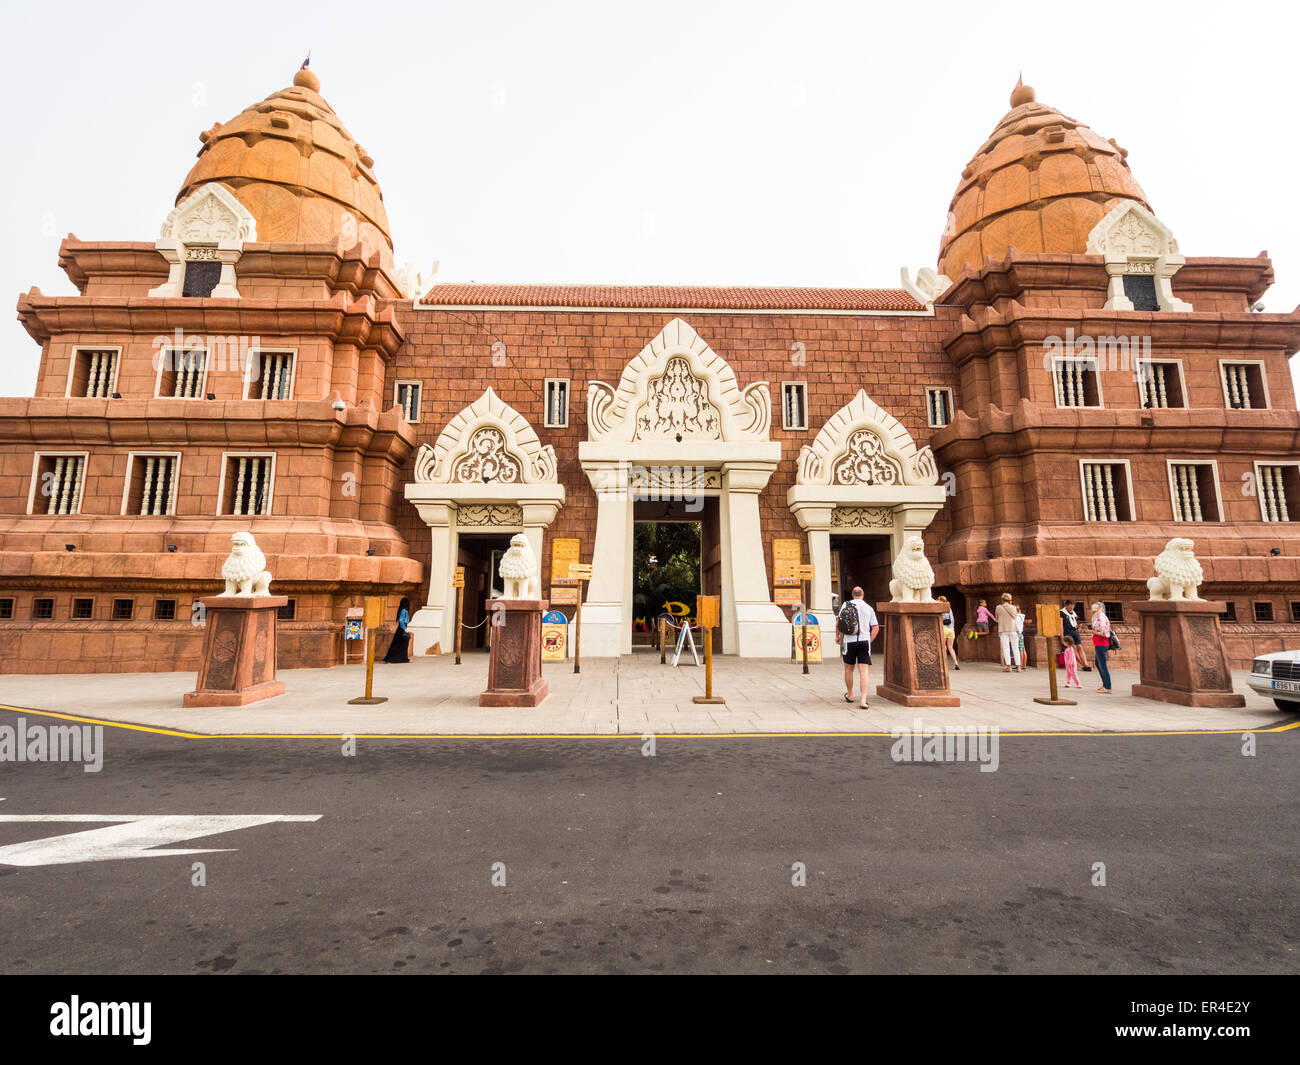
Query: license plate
[{"x": 1286, "y": 685}]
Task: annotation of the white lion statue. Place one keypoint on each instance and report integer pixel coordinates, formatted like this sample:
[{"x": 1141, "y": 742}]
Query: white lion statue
[
  {"x": 245, "y": 570},
  {"x": 519, "y": 570},
  {"x": 1178, "y": 574},
  {"x": 913, "y": 577}
]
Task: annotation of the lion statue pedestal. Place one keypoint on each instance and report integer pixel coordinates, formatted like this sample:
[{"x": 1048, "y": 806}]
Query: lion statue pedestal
[
  {"x": 515, "y": 621},
  {"x": 916, "y": 668},
  {"x": 1182, "y": 660},
  {"x": 239, "y": 629}
]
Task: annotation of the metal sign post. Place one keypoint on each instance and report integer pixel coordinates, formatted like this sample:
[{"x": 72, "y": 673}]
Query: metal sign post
[
  {"x": 458, "y": 582},
  {"x": 706, "y": 612},
  {"x": 579, "y": 572}
]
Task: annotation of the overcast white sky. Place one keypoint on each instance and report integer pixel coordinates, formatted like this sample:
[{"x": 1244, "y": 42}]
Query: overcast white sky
[{"x": 711, "y": 143}]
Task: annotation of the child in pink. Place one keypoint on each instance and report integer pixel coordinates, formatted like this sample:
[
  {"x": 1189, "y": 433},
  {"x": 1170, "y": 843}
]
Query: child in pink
[{"x": 1071, "y": 660}]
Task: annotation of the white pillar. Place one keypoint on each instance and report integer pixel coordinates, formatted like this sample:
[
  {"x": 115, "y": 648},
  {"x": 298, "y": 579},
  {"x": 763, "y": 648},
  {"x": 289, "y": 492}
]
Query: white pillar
[
  {"x": 819, "y": 552},
  {"x": 606, "y": 611},
  {"x": 761, "y": 627},
  {"x": 435, "y": 621}
]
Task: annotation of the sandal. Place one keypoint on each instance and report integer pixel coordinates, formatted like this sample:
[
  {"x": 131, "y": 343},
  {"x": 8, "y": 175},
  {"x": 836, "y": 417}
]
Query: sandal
[{"x": 848, "y": 697}]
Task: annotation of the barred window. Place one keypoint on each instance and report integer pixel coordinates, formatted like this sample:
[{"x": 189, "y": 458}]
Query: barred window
[
  {"x": 1159, "y": 385},
  {"x": 938, "y": 407},
  {"x": 1194, "y": 493},
  {"x": 248, "y": 484},
  {"x": 123, "y": 609},
  {"x": 152, "y": 490},
  {"x": 794, "y": 405},
  {"x": 184, "y": 374},
  {"x": 1230, "y": 613},
  {"x": 164, "y": 610},
  {"x": 1295, "y": 611},
  {"x": 1114, "y": 611},
  {"x": 1075, "y": 383},
  {"x": 274, "y": 375},
  {"x": 1243, "y": 385},
  {"x": 1263, "y": 611},
  {"x": 6, "y": 608},
  {"x": 408, "y": 398},
  {"x": 42, "y": 609},
  {"x": 94, "y": 374},
  {"x": 1278, "y": 485},
  {"x": 201, "y": 277},
  {"x": 82, "y": 609},
  {"x": 289, "y": 611},
  {"x": 60, "y": 480},
  {"x": 557, "y": 403},
  {"x": 1105, "y": 491}
]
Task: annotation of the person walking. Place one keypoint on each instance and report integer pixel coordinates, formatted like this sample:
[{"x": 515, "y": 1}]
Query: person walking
[
  {"x": 401, "y": 641},
  {"x": 1070, "y": 627},
  {"x": 949, "y": 631},
  {"x": 1070, "y": 660},
  {"x": 1100, "y": 626},
  {"x": 856, "y": 626},
  {"x": 1006, "y": 618}
]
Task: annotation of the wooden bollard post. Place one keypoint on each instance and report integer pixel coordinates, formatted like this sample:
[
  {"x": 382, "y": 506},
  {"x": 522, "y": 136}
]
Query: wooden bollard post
[{"x": 706, "y": 613}]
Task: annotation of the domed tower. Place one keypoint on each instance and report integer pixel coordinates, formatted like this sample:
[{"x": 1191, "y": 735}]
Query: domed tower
[
  {"x": 1041, "y": 183},
  {"x": 298, "y": 171}
]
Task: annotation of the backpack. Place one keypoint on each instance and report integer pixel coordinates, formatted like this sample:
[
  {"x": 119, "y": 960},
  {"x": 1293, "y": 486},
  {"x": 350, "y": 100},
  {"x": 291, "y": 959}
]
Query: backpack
[{"x": 848, "y": 619}]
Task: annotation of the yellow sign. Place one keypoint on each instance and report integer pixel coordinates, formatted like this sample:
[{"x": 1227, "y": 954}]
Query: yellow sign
[
  {"x": 805, "y": 573},
  {"x": 563, "y": 552},
  {"x": 1049, "y": 620},
  {"x": 555, "y": 642},
  {"x": 580, "y": 571},
  {"x": 706, "y": 611},
  {"x": 458, "y": 578},
  {"x": 564, "y": 594},
  {"x": 374, "y": 611},
  {"x": 786, "y": 596},
  {"x": 814, "y": 642},
  {"x": 786, "y": 551}
]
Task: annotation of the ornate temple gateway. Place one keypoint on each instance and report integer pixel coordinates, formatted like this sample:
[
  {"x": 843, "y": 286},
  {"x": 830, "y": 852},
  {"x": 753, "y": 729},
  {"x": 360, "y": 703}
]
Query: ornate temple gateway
[{"x": 1064, "y": 394}]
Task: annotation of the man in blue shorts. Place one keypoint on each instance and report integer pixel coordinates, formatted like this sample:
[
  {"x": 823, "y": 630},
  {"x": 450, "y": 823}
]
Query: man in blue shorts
[{"x": 856, "y": 626}]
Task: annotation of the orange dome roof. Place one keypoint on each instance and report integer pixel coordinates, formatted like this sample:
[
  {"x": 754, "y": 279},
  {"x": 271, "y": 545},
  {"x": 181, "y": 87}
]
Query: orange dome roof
[
  {"x": 300, "y": 173},
  {"x": 1040, "y": 183}
]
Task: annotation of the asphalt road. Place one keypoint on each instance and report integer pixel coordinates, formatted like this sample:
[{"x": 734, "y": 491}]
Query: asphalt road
[{"x": 681, "y": 862}]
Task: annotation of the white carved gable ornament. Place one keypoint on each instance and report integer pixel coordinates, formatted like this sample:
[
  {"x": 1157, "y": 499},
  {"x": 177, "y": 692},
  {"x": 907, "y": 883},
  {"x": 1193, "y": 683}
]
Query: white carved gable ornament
[
  {"x": 211, "y": 215},
  {"x": 863, "y": 444},
  {"x": 487, "y": 442}
]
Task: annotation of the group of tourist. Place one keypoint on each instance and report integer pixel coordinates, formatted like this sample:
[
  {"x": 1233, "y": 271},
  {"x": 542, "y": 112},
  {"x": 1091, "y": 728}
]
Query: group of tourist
[{"x": 1010, "y": 620}]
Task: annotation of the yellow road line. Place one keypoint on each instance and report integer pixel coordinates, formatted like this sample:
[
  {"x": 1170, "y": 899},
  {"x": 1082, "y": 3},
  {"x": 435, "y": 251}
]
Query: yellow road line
[{"x": 176, "y": 733}]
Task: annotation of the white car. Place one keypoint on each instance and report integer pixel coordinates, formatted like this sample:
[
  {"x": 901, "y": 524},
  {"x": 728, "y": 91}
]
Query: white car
[{"x": 1277, "y": 676}]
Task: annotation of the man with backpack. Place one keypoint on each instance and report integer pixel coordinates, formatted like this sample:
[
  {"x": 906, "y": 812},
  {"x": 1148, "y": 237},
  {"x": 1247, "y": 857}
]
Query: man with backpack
[{"x": 856, "y": 626}]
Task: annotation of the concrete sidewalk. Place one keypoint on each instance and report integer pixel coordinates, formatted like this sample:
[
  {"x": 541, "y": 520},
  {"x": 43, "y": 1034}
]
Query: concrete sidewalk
[{"x": 629, "y": 695}]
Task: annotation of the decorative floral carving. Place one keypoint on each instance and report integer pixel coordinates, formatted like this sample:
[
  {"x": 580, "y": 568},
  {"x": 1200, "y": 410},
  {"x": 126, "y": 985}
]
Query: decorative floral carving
[
  {"x": 487, "y": 459},
  {"x": 677, "y": 402},
  {"x": 862, "y": 517},
  {"x": 211, "y": 215},
  {"x": 495, "y": 514},
  {"x": 864, "y": 461}
]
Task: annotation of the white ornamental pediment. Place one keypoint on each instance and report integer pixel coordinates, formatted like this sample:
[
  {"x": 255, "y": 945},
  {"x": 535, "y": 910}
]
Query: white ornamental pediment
[
  {"x": 211, "y": 215},
  {"x": 489, "y": 442},
  {"x": 678, "y": 388},
  {"x": 863, "y": 444},
  {"x": 1131, "y": 231}
]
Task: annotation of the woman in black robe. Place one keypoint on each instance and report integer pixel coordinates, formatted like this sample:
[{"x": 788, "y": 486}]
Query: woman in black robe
[{"x": 401, "y": 642}]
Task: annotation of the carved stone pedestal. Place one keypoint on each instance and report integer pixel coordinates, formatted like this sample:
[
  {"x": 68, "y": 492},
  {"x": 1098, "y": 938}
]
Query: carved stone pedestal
[
  {"x": 916, "y": 673},
  {"x": 515, "y": 664},
  {"x": 1182, "y": 654},
  {"x": 238, "y": 665}
]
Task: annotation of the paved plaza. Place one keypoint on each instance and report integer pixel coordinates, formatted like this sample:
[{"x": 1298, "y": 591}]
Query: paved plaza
[{"x": 633, "y": 694}]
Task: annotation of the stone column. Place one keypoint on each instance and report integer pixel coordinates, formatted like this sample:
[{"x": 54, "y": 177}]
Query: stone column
[
  {"x": 1182, "y": 658},
  {"x": 515, "y": 664},
  {"x": 916, "y": 668},
  {"x": 762, "y": 629},
  {"x": 434, "y": 623},
  {"x": 606, "y": 630}
]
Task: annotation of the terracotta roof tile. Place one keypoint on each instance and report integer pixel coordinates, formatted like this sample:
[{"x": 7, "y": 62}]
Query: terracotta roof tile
[{"x": 672, "y": 297}]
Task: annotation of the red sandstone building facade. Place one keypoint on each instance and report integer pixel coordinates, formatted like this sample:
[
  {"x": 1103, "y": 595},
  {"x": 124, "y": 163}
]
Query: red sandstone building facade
[{"x": 1061, "y": 397}]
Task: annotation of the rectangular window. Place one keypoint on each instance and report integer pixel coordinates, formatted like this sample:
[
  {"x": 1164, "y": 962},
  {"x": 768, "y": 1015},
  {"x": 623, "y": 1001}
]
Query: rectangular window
[
  {"x": 1230, "y": 614},
  {"x": 42, "y": 609},
  {"x": 1295, "y": 611},
  {"x": 1194, "y": 491},
  {"x": 184, "y": 374},
  {"x": 1161, "y": 384},
  {"x": 6, "y": 608},
  {"x": 94, "y": 373},
  {"x": 123, "y": 609},
  {"x": 938, "y": 407},
  {"x": 83, "y": 609},
  {"x": 1075, "y": 382},
  {"x": 1141, "y": 291},
  {"x": 1263, "y": 611},
  {"x": 556, "y": 392},
  {"x": 1243, "y": 385},
  {"x": 1114, "y": 611},
  {"x": 406, "y": 394},
  {"x": 274, "y": 376},
  {"x": 201, "y": 277},
  {"x": 58, "y": 484},
  {"x": 164, "y": 610},
  {"x": 1106, "y": 491},
  {"x": 288, "y": 611},
  {"x": 247, "y": 488},
  {"x": 794, "y": 405},
  {"x": 1279, "y": 486},
  {"x": 151, "y": 489}
]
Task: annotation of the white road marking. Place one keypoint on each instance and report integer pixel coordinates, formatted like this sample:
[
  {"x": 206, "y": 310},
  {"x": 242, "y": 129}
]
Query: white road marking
[{"x": 130, "y": 836}]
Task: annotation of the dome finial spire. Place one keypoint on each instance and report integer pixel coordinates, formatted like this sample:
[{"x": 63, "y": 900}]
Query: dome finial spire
[
  {"x": 1022, "y": 93},
  {"x": 305, "y": 77}
]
